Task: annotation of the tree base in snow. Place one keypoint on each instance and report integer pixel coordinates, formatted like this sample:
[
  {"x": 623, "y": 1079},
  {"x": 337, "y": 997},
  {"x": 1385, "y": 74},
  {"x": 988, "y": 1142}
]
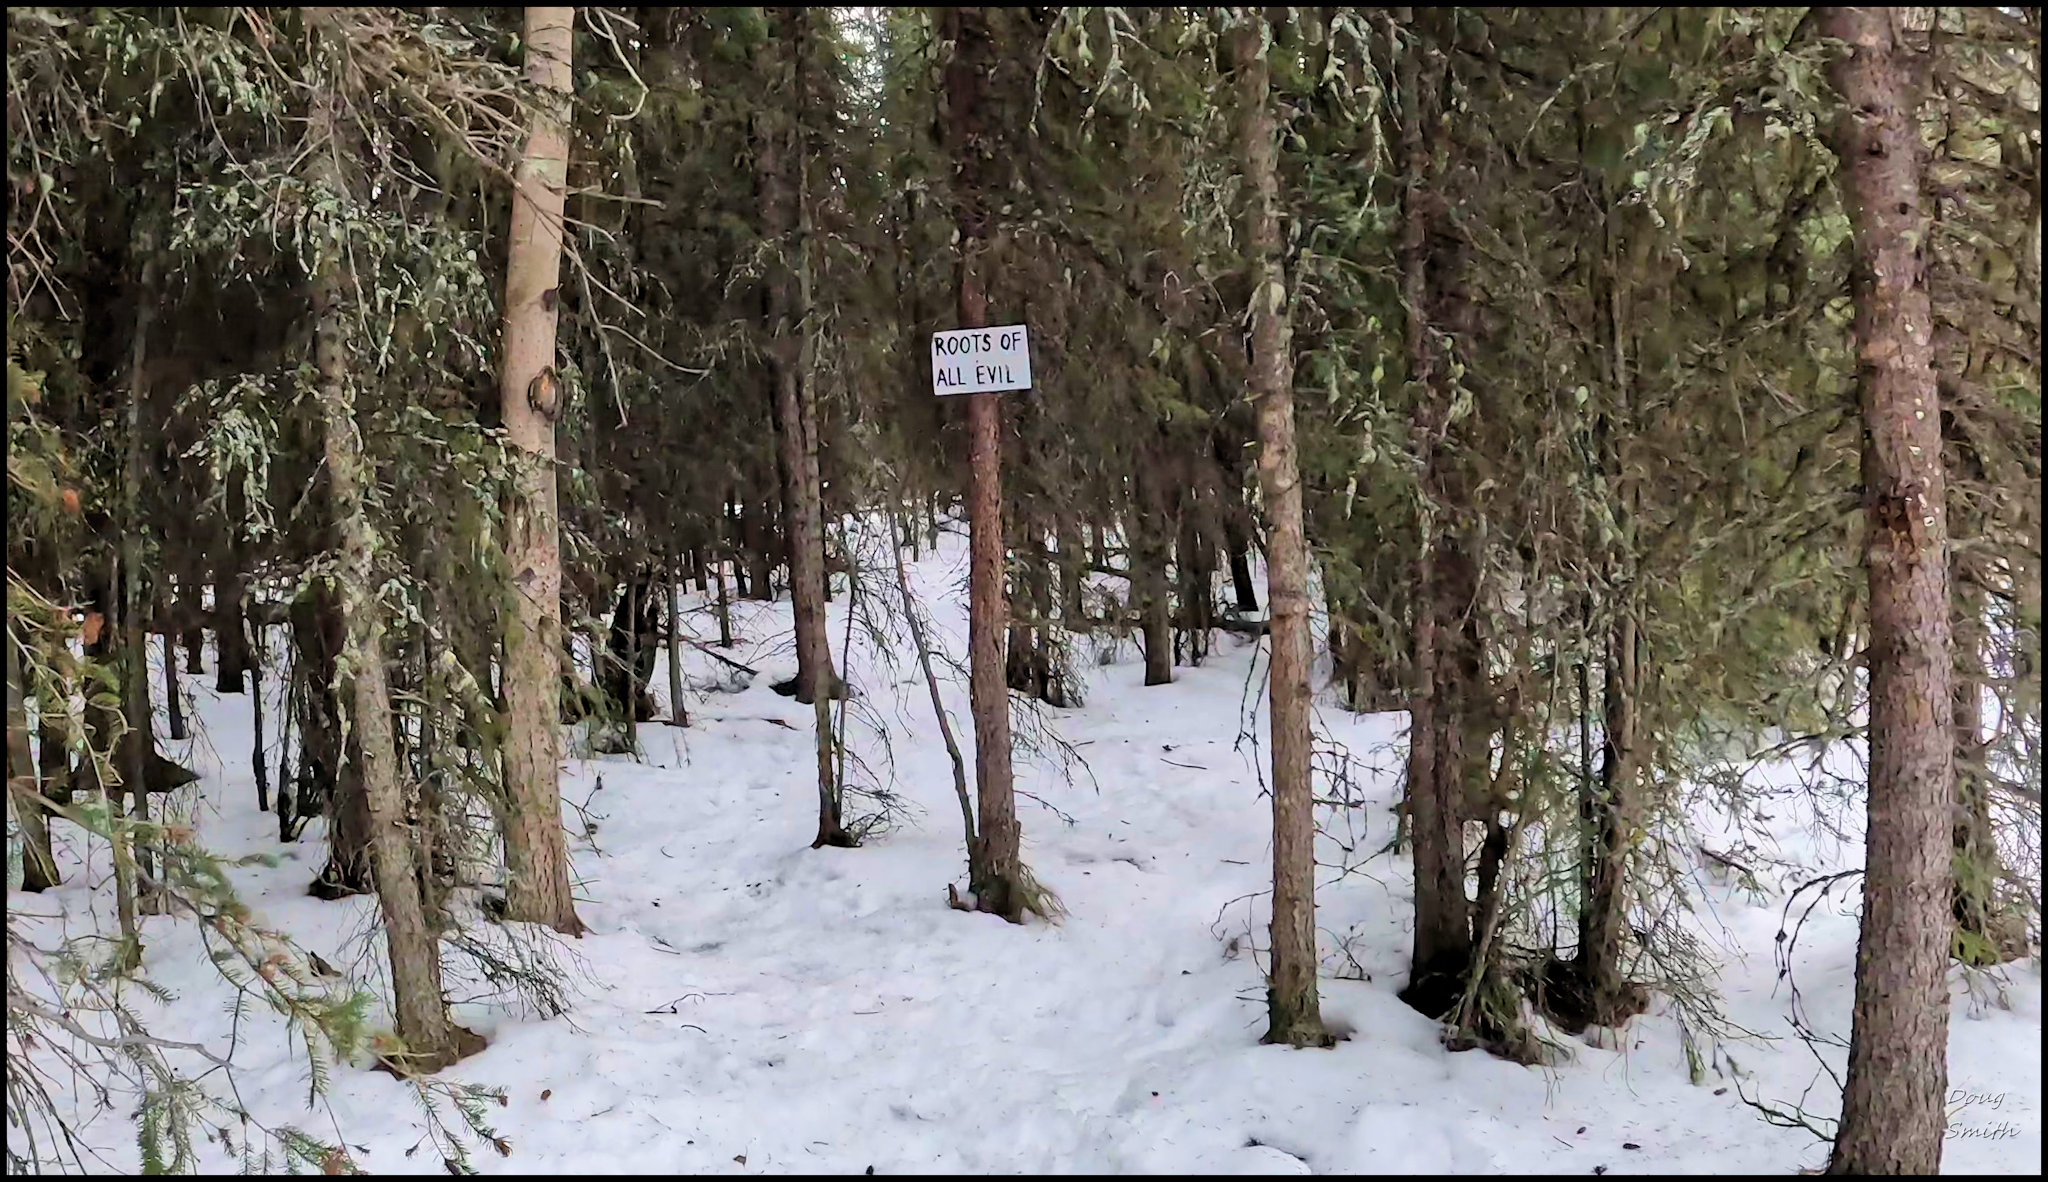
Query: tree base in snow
[
  {"x": 1435, "y": 991},
  {"x": 1297, "y": 1032},
  {"x": 408, "y": 1064},
  {"x": 1565, "y": 994}
]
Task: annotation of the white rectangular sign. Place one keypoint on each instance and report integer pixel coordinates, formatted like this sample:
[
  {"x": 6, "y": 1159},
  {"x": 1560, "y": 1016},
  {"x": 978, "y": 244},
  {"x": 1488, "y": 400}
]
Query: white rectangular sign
[{"x": 978, "y": 360}]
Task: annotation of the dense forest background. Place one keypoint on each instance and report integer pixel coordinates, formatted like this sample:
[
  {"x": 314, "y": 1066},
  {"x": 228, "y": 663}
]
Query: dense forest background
[{"x": 1628, "y": 396}]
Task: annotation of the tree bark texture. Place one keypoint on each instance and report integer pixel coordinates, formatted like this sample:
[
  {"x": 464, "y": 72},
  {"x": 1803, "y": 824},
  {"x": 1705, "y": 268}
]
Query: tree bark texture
[
  {"x": 536, "y": 854},
  {"x": 1149, "y": 555},
  {"x": 228, "y": 588},
  {"x": 995, "y": 862},
  {"x": 1892, "y": 1102},
  {"x": 1443, "y": 927},
  {"x": 138, "y": 743},
  {"x": 780, "y": 163},
  {"x": 431, "y": 1039},
  {"x": 678, "y": 713},
  {"x": 1293, "y": 1009},
  {"x": 38, "y": 864},
  {"x": 330, "y": 767}
]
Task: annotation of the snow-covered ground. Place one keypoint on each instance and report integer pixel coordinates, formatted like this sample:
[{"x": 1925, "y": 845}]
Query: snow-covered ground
[{"x": 746, "y": 1004}]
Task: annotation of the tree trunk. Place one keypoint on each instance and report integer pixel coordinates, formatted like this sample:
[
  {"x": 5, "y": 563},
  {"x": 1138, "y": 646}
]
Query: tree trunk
[
  {"x": 288, "y": 804},
  {"x": 760, "y": 563},
  {"x": 330, "y": 762},
  {"x": 1038, "y": 585},
  {"x": 1241, "y": 570},
  {"x": 678, "y": 713},
  {"x": 1443, "y": 928},
  {"x": 1293, "y": 1008},
  {"x": 53, "y": 755},
  {"x": 1608, "y": 998},
  {"x": 228, "y": 588},
  {"x": 784, "y": 190},
  {"x": 1148, "y": 560},
  {"x": 174, "y": 701},
  {"x": 106, "y": 752},
  {"x": 38, "y": 864},
  {"x": 138, "y": 744},
  {"x": 1073, "y": 572},
  {"x": 257, "y": 760},
  {"x": 1985, "y": 930},
  {"x": 101, "y": 721},
  {"x": 1021, "y": 656},
  {"x": 995, "y": 862},
  {"x": 1892, "y": 1114},
  {"x": 1613, "y": 812},
  {"x": 628, "y": 663},
  {"x": 923, "y": 647},
  {"x": 1194, "y": 572},
  {"x": 229, "y": 660},
  {"x": 724, "y": 603},
  {"x": 1346, "y": 649},
  {"x": 432, "y": 1040},
  {"x": 735, "y": 543},
  {"x": 193, "y": 638},
  {"x": 536, "y": 855}
]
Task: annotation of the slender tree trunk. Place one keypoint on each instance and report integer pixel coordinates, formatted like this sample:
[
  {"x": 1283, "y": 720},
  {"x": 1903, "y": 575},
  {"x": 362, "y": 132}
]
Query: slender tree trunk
[
  {"x": 1346, "y": 649},
  {"x": 290, "y": 805},
  {"x": 115, "y": 755},
  {"x": 432, "y": 1040},
  {"x": 1241, "y": 570},
  {"x": 1443, "y": 929},
  {"x": 53, "y": 712},
  {"x": 627, "y": 667},
  {"x": 1192, "y": 570},
  {"x": 995, "y": 861},
  {"x": 1073, "y": 573},
  {"x": 1603, "y": 914},
  {"x": 256, "y": 757},
  {"x": 1023, "y": 663},
  {"x": 1293, "y": 1008},
  {"x": 53, "y": 756},
  {"x": 1038, "y": 584},
  {"x": 229, "y": 660},
  {"x": 193, "y": 638},
  {"x": 1892, "y": 1114},
  {"x": 1148, "y": 560},
  {"x": 678, "y": 713},
  {"x": 139, "y": 743},
  {"x": 1616, "y": 807},
  {"x": 931, "y": 680},
  {"x": 38, "y": 864},
  {"x": 228, "y": 588},
  {"x": 724, "y": 603},
  {"x": 331, "y": 766},
  {"x": 174, "y": 700},
  {"x": 735, "y": 543},
  {"x": 536, "y": 855},
  {"x": 781, "y": 164},
  {"x": 1987, "y": 931},
  {"x": 760, "y": 563}
]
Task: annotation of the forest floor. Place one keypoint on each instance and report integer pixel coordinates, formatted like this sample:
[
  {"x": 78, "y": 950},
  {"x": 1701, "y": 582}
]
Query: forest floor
[{"x": 746, "y": 1004}]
